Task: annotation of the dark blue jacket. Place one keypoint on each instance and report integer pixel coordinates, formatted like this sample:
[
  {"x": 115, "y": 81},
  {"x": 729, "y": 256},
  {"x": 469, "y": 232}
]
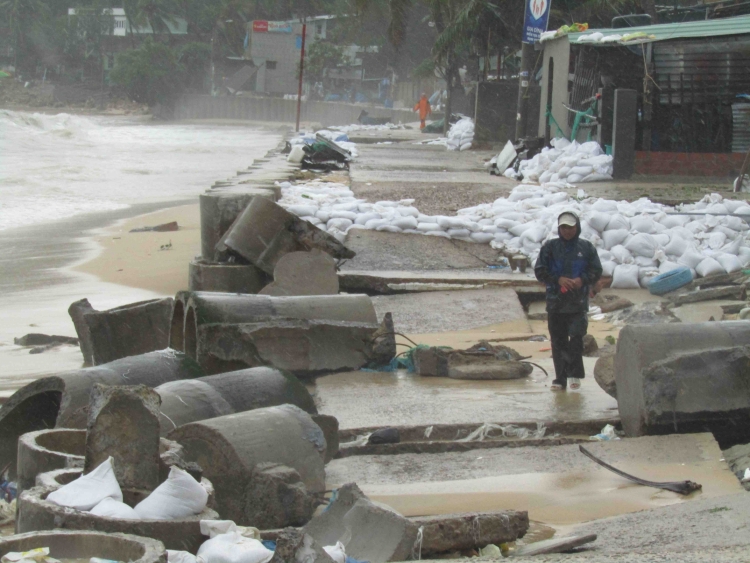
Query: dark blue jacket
[{"x": 575, "y": 258}]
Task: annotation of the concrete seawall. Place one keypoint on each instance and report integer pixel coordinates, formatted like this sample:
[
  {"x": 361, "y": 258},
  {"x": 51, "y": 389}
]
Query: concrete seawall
[{"x": 277, "y": 109}]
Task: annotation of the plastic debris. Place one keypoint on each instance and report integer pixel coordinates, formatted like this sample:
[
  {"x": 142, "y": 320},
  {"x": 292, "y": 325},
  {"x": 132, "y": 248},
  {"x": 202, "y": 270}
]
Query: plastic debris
[
  {"x": 38, "y": 555},
  {"x": 336, "y": 552},
  {"x": 507, "y": 431},
  {"x": 608, "y": 433},
  {"x": 490, "y": 551}
]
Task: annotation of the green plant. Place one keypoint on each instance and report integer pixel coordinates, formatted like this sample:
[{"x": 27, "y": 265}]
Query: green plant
[
  {"x": 610, "y": 339},
  {"x": 151, "y": 74}
]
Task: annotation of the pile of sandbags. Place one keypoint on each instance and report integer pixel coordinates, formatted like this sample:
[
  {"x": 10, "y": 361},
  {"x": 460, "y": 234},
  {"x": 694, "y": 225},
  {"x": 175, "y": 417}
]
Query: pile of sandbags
[
  {"x": 461, "y": 135},
  {"x": 636, "y": 240},
  {"x": 565, "y": 161},
  {"x": 362, "y": 127}
]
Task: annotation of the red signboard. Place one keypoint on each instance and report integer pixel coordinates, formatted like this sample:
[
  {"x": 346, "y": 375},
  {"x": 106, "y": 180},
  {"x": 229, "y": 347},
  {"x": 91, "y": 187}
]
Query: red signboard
[{"x": 260, "y": 26}]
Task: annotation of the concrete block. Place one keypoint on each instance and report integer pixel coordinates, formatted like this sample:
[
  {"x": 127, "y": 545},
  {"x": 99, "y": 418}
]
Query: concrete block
[
  {"x": 295, "y": 546},
  {"x": 369, "y": 532},
  {"x": 130, "y": 330},
  {"x": 682, "y": 377},
  {"x": 456, "y": 532},
  {"x": 265, "y": 232},
  {"x": 227, "y": 393},
  {"x": 82, "y": 545},
  {"x": 225, "y": 278},
  {"x": 304, "y": 273},
  {"x": 62, "y": 399},
  {"x": 233, "y": 450},
  {"x": 124, "y": 424},
  {"x": 330, "y": 427},
  {"x": 604, "y": 373},
  {"x": 219, "y": 209},
  {"x": 481, "y": 361}
]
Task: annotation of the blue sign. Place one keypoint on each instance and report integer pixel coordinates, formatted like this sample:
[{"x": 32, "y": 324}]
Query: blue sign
[
  {"x": 535, "y": 21},
  {"x": 298, "y": 42}
]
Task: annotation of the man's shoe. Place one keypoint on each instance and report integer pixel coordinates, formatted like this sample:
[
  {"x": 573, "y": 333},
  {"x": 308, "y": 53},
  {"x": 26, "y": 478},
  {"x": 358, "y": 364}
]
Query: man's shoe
[
  {"x": 557, "y": 386},
  {"x": 574, "y": 382}
]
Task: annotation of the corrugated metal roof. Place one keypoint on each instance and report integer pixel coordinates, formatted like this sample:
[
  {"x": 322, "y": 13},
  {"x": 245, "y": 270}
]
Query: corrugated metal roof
[{"x": 738, "y": 25}]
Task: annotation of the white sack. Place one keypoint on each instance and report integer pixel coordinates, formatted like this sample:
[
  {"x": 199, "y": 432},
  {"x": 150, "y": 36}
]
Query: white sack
[
  {"x": 691, "y": 258},
  {"x": 89, "y": 490},
  {"x": 614, "y": 237},
  {"x": 174, "y": 556},
  {"x": 676, "y": 247},
  {"x": 482, "y": 237},
  {"x": 597, "y": 220},
  {"x": 709, "y": 266},
  {"x": 729, "y": 262},
  {"x": 622, "y": 255},
  {"x": 407, "y": 222},
  {"x": 111, "y": 508},
  {"x": 336, "y": 552},
  {"x": 339, "y": 223},
  {"x": 424, "y": 227},
  {"x": 180, "y": 496},
  {"x": 302, "y": 210},
  {"x": 608, "y": 268},
  {"x": 459, "y": 233},
  {"x": 643, "y": 224},
  {"x": 233, "y": 547},
  {"x": 668, "y": 266},
  {"x": 642, "y": 245},
  {"x": 626, "y": 277}
]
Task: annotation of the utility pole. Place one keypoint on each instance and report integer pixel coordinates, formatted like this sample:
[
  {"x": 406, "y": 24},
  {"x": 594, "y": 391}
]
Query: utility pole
[{"x": 301, "y": 71}]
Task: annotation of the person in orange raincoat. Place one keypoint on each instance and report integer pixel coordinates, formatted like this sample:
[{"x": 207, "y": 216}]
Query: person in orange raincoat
[{"x": 424, "y": 109}]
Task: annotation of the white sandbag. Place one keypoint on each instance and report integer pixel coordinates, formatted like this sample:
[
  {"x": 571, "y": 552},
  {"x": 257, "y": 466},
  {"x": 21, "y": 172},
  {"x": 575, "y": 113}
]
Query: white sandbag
[
  {"x": 324, "y": 215},
  {"x": 465, "y": 146},
  {"x": 605, "y": 206},
  {"x": 339, "y": 223},
  {"x": 733, "y": 247},
  {"x": 233, "y": 547},
  {"x": 668, "y": 266},
  {"x": 582, "y": 170},
  {"x": 89, "y": 490},
  {"x": 709, "y": 266},
  {"x": 375, "y": 223},
  {"x": 336, "y": 552},
  {"x": 716, "y": 240},
  {"x": 111, "y": 508},
  {"x": 643, "y": 262},
  {"x": 598, "y": 220},
  {"x": 671, "y": 221},
  {"x": 622, "y": 255},
  {"x": 314, "y": 220},
  {"x": 428, "y": 227},
  {"x": 597, "y": 177},
  {"x": 608, "y": 268},
  {"x": 521, "y": 228},
  {"x": 459, "y": 233},
  {"x": 174, "y": 556},
  {"x": 408, "y": 210},
  {"x": 535, "y": 233},
  {"x": 696, "y": 227},
  {"x": 503, "y": 223},
  {"x": 483, "y": 238},
  {"x": 388, "y": 228},
  {"x": 614, "y": 237},
  {"x": 341, "y": 214},
  {"x": 662, "y": 239},
  {"x": 617, "y": 222},
  {"x": 642, "y": 224},
  {"x": 676, "y": 247},
  {"x": 574, "y": 178},
  {"x": 436, "y": 233},
  {"x": 302, "y": 210},
  {"x": 729, "y": 262},
  {"x": 545, "y": 177},
  {"x": 180, "y": 496},
  {"x": 363, "y": 218},
  {"x": 691, "y": 258},
  {"x": 625, "y": 276},
  {"x": 405, "y": 222},
  {"x": 645, "y": 275},
  {"x": 296, "y": 154},
  {"x": 642, "y": 245},
  {"x": 490, "y": 229}
]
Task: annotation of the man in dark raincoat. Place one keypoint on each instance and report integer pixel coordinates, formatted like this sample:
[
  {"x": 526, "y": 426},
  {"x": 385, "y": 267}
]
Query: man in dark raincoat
[{"x": 570, "y": 268}]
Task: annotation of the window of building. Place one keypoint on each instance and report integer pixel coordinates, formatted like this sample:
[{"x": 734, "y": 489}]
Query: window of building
[
  {"x": 271, "y": 65},
  {"x": 319, "y": 28}
]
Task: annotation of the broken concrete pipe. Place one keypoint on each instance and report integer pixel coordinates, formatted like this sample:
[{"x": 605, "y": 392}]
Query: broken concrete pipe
[
  {"x": 265, "y": 232},
  {"x": 372, "y": 532},
  {"x": 62, "y": 400},
  {"x": 35, "y": 513},
  {"x": 219, "y": 209},
  {"x": 266, "y": 465},
  {"x": 84, "y": 545},
  {"x": 684, "y": 377},
  {"x": 130, "y": 330},
  {"x": 192, "y": 400},
  {"x": 309, "y": 334},
  {"x": 44, "y": 452},
  {"x": 475, "y": 530},
  {"x": 310, "y": 272},
  {"x": 225, "y": 278}
]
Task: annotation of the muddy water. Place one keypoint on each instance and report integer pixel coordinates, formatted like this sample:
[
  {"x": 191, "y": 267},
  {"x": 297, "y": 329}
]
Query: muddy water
[{"x": 557, "y": 499}]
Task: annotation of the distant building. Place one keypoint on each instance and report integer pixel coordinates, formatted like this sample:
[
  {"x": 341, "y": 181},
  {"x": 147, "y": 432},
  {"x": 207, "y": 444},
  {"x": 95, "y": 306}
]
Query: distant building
[
  {"x": 122, "y": 27},
  {"x": 274, "y": 47}
]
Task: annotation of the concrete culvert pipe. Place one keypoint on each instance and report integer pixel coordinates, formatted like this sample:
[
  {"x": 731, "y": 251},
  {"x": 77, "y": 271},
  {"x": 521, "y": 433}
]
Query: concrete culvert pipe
[
  {"x": 192, "y": 400},
  {"x": 83, "y": 545},
  {"x": 266, "y": 465},
  {"x": 684, "y": 377},
  {"x": 61, "y": 400},
  {"x": 177, "y": 325}
]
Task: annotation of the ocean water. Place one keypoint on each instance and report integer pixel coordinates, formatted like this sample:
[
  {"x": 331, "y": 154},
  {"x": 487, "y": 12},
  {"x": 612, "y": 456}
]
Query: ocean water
[{"x": 59, "y": 166}]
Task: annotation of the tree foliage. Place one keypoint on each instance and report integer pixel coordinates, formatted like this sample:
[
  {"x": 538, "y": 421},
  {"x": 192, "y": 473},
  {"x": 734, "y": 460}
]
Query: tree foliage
[
  {"x": 150, "y": 74},
  {"x": 319, "y": 56}
]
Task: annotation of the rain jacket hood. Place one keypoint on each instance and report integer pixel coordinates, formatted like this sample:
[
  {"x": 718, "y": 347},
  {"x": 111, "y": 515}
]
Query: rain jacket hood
[{"x": 578, "y": 224}]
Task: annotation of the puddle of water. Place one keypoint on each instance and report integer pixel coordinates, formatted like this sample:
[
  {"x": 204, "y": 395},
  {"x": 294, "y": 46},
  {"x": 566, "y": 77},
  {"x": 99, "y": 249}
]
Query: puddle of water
[{"x": 557, "y": 499}]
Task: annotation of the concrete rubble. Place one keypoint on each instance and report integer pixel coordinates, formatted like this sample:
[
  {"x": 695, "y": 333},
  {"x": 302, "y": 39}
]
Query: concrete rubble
[
  {"x": 370, "y": 532},
  {"x": 266, "y": 465},
  {"x": 303, "y": 335},
  {"x": 130, "y": 330},
  {"x": 123, "y": 422},
  {"x": 304, "y": 273},
  {"x": 481, "y": 361},
  {"x": 61, "y": 400}
]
